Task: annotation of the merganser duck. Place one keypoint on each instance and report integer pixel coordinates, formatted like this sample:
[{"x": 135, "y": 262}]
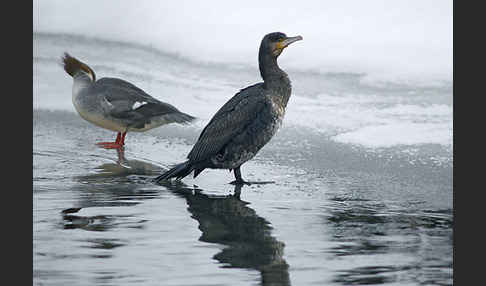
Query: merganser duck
[{"x": 116, "y": 104}]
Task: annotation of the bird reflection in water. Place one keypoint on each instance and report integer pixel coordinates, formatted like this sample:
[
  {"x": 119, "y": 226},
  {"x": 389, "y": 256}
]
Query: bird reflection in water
[
  {"x": 223, "y": 219},
  {"x": 229, "y": 221},
  {"x": 124, "y": 167},
  {"x": 118, "y": 184}
]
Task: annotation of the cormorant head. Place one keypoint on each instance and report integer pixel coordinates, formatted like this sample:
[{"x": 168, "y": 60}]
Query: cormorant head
[{"x": 275, "y": 43}]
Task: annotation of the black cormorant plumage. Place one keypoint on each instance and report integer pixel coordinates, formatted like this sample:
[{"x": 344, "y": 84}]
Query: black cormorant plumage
[{"x": 245, "y": 123}]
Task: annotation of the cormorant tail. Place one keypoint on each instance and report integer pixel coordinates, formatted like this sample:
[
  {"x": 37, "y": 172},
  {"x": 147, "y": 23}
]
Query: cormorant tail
[
  {"x": 197, "y": 171},
  {"x": 179, "y": 171}
]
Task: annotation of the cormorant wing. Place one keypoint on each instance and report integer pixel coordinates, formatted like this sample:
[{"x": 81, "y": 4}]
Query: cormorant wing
[{"x": 230, "y": 120}]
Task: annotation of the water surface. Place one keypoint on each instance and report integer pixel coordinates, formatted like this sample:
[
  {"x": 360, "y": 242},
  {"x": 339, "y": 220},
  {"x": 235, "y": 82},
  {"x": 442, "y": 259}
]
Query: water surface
[{"x": 362, "y": 192}]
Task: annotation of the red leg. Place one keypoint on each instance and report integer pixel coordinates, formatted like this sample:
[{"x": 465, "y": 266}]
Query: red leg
[
  {"x": 118, "y": 136},
  {"x": 122, "y": 140},
  {"x": 112, "y": 145}
]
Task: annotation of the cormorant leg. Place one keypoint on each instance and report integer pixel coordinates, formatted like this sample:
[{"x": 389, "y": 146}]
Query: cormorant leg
[
  {"x": 237, "y": 191},
  {"x": 239, "y": 180},
  {"x": 112, "y": 145}
]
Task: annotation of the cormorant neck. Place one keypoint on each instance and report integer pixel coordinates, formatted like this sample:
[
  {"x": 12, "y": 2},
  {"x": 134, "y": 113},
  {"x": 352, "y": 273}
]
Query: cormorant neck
[{"x": 270, "y": 71}]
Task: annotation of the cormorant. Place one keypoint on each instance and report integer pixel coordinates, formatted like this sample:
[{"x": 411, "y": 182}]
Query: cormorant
[
  {"x": 116, "y": 104},
  {"x": 245, "y": 123}
]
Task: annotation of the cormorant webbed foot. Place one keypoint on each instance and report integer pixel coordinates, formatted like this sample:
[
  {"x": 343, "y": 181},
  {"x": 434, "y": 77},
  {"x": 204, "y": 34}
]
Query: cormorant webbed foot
[{"x": 240, "y": 183}]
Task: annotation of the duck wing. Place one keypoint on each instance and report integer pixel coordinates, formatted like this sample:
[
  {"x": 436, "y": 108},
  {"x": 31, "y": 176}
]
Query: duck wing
[{"x": 126, "y": 101}]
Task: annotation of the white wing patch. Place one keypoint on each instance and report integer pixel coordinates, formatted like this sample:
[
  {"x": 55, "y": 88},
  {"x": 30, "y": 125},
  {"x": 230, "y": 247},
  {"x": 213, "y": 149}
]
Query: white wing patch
[
  {"x": 107, "y": 102},
  {"x": 137, "y": 104}
]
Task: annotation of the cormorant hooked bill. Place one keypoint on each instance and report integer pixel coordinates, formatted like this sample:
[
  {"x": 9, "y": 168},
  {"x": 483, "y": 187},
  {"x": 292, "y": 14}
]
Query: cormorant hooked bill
[
  {"x": 116, "y": 104},
  {"x": 245, "y": 123}
]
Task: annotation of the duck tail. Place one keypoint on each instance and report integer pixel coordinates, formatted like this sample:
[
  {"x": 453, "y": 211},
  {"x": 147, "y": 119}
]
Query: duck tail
[
  {"x": 72, "y": 66},
  {"x": 182, "y": 118}
]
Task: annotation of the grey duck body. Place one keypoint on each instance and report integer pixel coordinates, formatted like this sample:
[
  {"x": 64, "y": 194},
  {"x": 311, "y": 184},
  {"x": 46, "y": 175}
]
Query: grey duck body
[
  {"x": 116, "y": 104},
  {"x": 244, "y": 124},
  {"x": 120, "y": 106}
]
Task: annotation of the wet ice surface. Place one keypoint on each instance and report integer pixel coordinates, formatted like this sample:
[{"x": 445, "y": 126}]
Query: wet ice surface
[
  {"x": 339, "y": 213},
  {"x": 306, "y": 228}
]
